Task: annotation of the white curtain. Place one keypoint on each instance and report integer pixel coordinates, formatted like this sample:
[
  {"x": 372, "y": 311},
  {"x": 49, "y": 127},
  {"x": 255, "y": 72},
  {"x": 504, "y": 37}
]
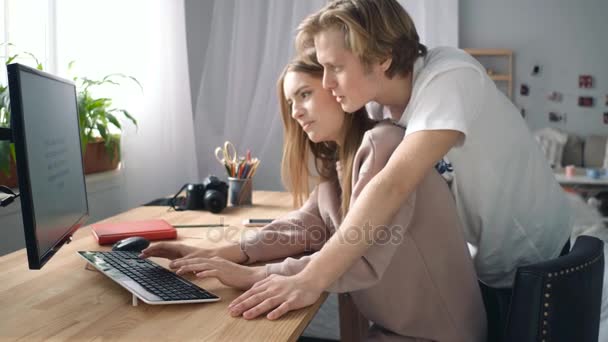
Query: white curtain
[
  {"x": 249, "y": 43},
  {"x": 145, "y": 39},
  {"x": 248, "y": 46}
]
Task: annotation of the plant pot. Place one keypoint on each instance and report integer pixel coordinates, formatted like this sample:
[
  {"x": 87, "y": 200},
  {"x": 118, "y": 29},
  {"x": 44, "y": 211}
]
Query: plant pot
[
  {"x": 11, "y": 179},
  {"x": 96, "y": 158}
]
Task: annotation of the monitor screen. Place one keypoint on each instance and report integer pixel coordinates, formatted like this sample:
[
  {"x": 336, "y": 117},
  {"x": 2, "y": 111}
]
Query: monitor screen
[{"x": 44, "y": 121}]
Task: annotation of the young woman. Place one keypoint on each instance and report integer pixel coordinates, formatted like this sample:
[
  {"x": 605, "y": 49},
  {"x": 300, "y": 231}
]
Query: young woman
[
  {"x": 511, "y": 207},
  {"x": 415, "y": 281}
]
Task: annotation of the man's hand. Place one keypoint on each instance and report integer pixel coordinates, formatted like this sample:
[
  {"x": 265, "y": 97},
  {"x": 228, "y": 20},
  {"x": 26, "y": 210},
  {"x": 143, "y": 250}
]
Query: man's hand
[{"x": 277, "y": 295}]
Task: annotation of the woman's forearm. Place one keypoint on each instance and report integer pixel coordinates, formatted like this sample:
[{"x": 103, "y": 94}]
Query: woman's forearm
[{"x": 232, "y": 252}]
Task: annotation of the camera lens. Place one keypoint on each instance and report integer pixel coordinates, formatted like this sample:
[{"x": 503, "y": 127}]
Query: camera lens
[{"x": 214, "y": 201}]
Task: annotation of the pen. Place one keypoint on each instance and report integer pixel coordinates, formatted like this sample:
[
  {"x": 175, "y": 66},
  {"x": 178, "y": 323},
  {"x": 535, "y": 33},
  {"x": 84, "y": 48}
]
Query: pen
[
  {"x": 200, "y": 225},
  {"x": 256, "y": 222}
]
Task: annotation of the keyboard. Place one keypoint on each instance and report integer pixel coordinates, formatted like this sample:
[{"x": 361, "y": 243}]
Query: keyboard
[{"x": 146, "y": 279}]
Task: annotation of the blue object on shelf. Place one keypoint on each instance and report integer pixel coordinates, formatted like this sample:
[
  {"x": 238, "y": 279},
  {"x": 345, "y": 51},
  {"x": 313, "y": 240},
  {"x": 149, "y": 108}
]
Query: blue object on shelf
[{"x": 594, "y": 173}]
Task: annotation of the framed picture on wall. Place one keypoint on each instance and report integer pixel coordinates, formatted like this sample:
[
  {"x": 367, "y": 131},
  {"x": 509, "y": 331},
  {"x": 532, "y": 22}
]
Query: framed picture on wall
[
  {"x": 585, "y": 81},
  {"x": 585, "y": 101}
]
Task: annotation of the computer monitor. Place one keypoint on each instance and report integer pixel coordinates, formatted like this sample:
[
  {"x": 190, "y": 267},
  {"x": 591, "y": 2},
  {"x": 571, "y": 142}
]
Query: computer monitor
[{"x": 44, "y": 122}]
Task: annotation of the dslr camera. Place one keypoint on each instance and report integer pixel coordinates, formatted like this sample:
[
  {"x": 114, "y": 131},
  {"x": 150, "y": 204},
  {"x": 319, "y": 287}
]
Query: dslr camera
[{"x": 211, "y": 194}]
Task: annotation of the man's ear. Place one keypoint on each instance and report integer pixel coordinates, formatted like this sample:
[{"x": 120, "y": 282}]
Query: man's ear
[{"x": 384, "y": 65}]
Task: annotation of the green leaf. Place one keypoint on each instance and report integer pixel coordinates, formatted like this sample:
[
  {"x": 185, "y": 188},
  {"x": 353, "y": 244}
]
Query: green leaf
[
  {"x": 11, "y": 59},
  {"x": 128, "y": 116},
  {"x": 125, "y": 76},
  {"x": 102, "y": 130},
  {"x": 12, "y": 148},
  {"x": 38, "y": 64},
  {"x": 98, "y": 103},
  {"x": 84, "y": 140},
  {"x": 113, "y": 120}
]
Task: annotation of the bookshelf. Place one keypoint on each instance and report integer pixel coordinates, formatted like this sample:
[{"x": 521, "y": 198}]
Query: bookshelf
[{"x": 498, "y": 64}]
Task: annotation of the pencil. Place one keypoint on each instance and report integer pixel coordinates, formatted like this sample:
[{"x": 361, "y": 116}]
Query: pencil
[{"x": 208, "y": 225}]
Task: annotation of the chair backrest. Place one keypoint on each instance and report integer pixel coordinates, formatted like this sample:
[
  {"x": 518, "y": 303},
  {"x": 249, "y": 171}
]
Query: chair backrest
[{"x": 559, "y": 299}]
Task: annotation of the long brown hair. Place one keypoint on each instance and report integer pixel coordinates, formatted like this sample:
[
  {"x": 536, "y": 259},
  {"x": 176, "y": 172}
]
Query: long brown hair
[{"x": 297, "y": 148}]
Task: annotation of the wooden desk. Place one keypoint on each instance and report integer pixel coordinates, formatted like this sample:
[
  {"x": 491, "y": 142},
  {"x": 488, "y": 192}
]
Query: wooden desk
[{"x": 64, "y": 301}]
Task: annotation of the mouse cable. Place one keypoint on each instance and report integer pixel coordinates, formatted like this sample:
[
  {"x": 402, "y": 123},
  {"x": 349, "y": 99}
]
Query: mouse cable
[{"x": 7, "y": 200}]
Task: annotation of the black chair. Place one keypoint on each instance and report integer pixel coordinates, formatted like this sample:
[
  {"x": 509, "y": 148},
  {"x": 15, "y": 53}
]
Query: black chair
[{"x": 559, "y": 299}]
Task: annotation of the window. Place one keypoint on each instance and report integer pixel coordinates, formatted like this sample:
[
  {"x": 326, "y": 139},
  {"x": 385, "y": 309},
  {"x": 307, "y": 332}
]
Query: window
[{"x": 27, "y": 25}]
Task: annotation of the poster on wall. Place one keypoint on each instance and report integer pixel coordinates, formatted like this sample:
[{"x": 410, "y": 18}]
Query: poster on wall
[
  {"x": 555, "y": 96},
  {"x": 585, "y": 101},
  {"x": 585, "y": 81},
  {"x": 557, "y": 117}
]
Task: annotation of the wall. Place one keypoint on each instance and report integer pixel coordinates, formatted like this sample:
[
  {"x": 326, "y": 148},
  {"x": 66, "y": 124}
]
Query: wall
[{"x": 567, "y": 38}]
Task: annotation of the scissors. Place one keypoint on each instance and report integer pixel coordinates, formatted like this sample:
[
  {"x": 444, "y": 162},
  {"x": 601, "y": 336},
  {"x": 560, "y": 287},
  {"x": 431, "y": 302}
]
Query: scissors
[{"x": 226, "y": 155}]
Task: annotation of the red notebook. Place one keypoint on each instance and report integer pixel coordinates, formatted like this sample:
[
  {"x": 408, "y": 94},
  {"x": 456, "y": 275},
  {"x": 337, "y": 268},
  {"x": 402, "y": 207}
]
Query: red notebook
[{"x": 111, "y": 232}]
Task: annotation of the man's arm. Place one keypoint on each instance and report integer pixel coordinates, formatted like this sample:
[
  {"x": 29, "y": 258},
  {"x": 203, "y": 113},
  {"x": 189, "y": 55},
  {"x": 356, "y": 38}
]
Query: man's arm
[{"x": 379, "y": 201}]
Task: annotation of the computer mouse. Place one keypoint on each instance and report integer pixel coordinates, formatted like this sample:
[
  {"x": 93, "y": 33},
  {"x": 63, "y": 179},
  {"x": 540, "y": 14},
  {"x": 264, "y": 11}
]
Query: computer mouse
[{"x": 131, "y": 244}]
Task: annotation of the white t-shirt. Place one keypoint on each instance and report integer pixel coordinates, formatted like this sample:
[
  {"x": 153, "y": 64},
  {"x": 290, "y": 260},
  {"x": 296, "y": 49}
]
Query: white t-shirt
[{"x": 511, "y": 207}]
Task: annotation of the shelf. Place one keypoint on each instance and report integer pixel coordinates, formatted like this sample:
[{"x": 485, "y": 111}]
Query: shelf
[
  {"x": 489, "y": 52},
  {"x": 498, "y": 77},
  {"x": 489, "y": 58}
]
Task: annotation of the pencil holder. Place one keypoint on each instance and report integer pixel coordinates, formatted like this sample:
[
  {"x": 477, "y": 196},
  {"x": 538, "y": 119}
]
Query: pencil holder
[{"x": 240, "y": 191}]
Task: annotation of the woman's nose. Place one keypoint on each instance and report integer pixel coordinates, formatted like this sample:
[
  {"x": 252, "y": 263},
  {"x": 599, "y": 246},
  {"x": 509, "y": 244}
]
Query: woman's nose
[{"x": 297, "y": 111}]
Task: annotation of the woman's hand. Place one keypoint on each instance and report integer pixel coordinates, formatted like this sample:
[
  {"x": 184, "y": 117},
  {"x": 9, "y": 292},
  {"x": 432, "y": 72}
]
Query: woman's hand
[
  {"x": 169, "y": 251},
  {"x": 180, "y": 251},
  {"x": 228, "y": 272},
  {"x": 277, "y": 295}
]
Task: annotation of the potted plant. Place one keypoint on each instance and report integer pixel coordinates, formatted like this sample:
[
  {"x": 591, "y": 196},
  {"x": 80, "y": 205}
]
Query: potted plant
[
  {"x": 7, "y": 150},
  {"x": 97, "y": 117},
  {"x": 8, "y": 173},
  {"x": 98, "y": 121}
]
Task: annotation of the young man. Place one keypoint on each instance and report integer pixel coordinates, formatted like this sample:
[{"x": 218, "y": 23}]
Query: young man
[{"x": 511, "y": 207}]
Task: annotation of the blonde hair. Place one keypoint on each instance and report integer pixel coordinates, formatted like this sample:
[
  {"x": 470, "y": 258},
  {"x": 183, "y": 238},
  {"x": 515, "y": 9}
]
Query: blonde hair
[
  {"x": 374, "y": 30},
  {"x": 297, "y": 148}
]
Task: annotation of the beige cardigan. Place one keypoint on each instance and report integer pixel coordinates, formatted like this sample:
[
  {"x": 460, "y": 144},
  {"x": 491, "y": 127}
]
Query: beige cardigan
[{"x": 416, "y": 281}]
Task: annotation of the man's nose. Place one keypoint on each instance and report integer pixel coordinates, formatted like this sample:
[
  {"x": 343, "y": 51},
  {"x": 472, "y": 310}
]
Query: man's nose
[{"x": 329, "y": 81}]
